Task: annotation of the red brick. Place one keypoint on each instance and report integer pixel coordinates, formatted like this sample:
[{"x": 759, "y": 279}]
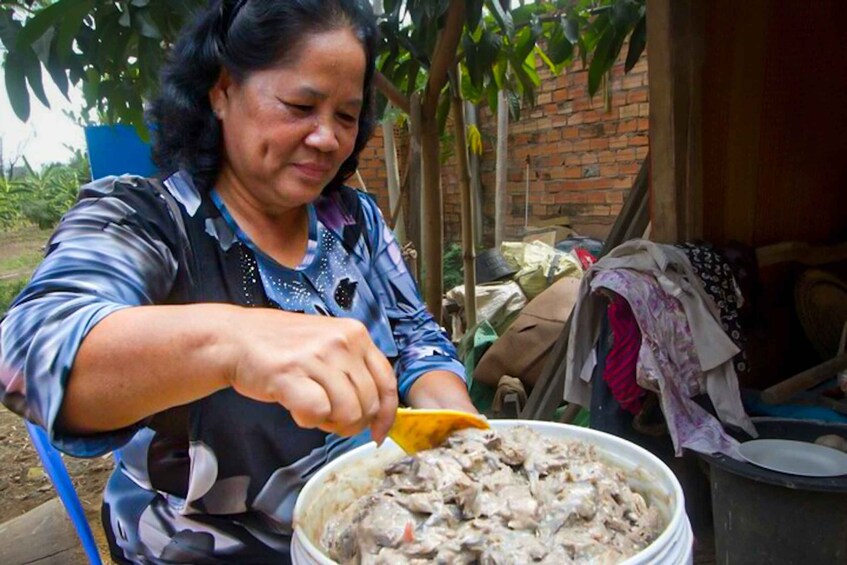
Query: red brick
[
  {"x": 637, "y": 140},
  {"x": 636, "y": 96},
  {"x": 606, "y": 157},
  {"x": 571, "y": 133},
  {"x": 618, "y": 142},
  {"x": 628, "y": 126},
  {"x": 581, "y": 145},
  {"x": 609, "y": 170},
  {"x": 589, "y": 184},
  {"x": 599, "y": 143},
  {"x": 630, "y": 168},
  {"x": 628, "y": 111},
  {"x": 632, "y": 81},
  {"x": 560, "y": 95},
  {"x": 614, "y": 197}
]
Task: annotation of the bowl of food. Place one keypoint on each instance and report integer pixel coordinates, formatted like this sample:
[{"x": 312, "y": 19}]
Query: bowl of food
[{"x": 522, "y": 492}]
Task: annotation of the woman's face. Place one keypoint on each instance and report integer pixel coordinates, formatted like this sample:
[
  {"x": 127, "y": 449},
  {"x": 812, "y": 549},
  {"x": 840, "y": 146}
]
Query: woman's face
[{"x": 287, "y": 130}]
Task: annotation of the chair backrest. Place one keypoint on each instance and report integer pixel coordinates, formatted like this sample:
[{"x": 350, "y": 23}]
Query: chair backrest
[{"x": 58, "y": 473}]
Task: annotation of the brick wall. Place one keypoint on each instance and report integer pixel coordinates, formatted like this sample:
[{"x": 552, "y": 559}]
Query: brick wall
[{"x": 582, "y": 157}]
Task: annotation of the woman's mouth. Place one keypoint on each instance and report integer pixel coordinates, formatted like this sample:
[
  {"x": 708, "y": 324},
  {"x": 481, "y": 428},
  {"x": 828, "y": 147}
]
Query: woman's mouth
[{"x": 312, "y": 171}]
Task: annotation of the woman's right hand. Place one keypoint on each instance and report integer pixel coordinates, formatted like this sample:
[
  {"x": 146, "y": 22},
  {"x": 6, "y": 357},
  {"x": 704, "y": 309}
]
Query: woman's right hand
[{"x": 326, "y": 371}]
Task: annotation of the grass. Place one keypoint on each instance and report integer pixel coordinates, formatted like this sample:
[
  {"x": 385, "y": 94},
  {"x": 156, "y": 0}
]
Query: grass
[{"x": 20, "y": 253}]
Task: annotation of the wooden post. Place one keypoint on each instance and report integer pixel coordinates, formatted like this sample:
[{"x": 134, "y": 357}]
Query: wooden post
[
  {"x": 472, "y": 118},
  {"x": 501, "y": 168},
  {"x": 392, "y": 175},
  {"x": 468, "y": 246},
  {"x": 675, "y": 36},
  {"x": 414, "y": 226}
]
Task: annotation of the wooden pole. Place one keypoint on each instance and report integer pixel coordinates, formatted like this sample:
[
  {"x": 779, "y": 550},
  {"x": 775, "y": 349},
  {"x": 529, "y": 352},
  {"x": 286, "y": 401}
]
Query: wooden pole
[
  {"x": 414, "y": 227},
  {"x": 468, "y": 247},
  {"x": 501, "y": 168},
  {"x": 393, "y": 176}
]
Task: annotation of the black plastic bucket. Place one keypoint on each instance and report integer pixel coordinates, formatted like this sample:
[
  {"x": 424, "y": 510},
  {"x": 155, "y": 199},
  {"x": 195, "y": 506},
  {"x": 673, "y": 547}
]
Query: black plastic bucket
[{"x": 765, "y": 517}]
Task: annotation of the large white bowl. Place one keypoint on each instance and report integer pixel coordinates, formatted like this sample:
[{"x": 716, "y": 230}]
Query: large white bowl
[{"x": 358, "y": 472}]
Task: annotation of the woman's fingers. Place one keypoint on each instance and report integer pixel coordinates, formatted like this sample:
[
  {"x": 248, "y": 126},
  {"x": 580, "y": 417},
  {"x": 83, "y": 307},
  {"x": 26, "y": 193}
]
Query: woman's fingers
[
  {"x": 386, "y": 384},
  {"x": 306, "y": 400}
]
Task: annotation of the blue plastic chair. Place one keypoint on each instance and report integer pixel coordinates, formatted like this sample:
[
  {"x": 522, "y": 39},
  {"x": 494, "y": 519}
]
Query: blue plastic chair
[{"x": 55, "y": 467}]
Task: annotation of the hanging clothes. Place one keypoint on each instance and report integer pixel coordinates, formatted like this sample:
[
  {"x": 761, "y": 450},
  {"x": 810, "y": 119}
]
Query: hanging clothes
[
  {"x": 713, "y": 350},
  {"x": 719, "y": 282},
  {"x": 622, "y": 358},
  {"x": 667, "y": 361}
]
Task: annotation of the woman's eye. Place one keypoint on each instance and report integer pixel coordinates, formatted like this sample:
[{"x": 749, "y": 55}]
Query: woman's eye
[
  {"x": 348, "y": 118},
  {"x": 299, "y": 108}
]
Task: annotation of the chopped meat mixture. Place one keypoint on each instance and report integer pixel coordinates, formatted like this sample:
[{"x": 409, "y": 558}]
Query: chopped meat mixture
[{"x": 490, "y": 497}]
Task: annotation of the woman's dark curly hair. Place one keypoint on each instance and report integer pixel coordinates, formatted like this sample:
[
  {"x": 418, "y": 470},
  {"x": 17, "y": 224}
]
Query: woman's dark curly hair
[{"x": 244, "y": 36}]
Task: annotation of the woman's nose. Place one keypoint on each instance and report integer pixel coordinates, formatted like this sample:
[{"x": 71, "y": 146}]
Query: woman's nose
[{"x": 322, "y": 137}]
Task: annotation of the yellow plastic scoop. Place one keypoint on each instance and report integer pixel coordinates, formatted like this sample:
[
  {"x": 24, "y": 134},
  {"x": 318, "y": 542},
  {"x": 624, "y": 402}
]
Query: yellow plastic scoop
[{"x": 418, "y": 429}]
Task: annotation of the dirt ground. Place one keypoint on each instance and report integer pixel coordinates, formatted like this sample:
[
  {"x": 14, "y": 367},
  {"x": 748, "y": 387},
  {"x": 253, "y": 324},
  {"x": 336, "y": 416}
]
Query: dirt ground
[{"x": 24, "y": 485}]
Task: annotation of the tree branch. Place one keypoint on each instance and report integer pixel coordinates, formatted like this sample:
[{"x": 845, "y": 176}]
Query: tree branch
[
  {"x": 445, "y": 52},
  {"x": 391, "y": 92}
]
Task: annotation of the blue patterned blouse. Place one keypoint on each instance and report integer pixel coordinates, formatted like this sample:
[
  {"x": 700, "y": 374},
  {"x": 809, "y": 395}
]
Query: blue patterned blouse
[{"x": 214, "y": 481}]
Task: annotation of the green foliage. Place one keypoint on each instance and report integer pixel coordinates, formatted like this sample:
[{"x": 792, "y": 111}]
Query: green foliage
[
  {"x": 41, "y": 197},
  {"x": 9, "y": 289},
  {"x": 501, "y": 49},
  {"x": 453, "y": 266},
  {"x": 114, "y": 48}
]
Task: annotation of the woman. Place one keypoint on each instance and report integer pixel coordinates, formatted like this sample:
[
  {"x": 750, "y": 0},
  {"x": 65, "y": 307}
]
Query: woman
[{"x": 237, "y": 326}]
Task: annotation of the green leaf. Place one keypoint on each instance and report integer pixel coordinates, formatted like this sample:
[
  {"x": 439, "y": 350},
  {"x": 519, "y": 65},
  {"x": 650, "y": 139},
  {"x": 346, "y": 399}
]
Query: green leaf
[
  {"x": 491, "y": 94},
  {"x": 503, "y": 18},
  {"x": 624, "y": 14},
  {"x": 42, "y": 45},
  {"x": 144, "y": 24},
  {"x": 470, "y": 91},
  {"x": 32, "y": 70},
  {"x": 601, "y": 61},
  {"x": 500, "y": 69},
  {"x": 571, "y": 29},
  {"x": 551, "y": 66},
  {"x": 9, "y": 29},
  {"x": 559, "y": 46},
  {"x": 56, "y": 69},
  {"x": 71, "y": 22},
  {"x": 44, "y": 19},
  {"x": 443, "y": 110},
  {"x": 140, "y": 3},
  {"x": 16, "y": 85},
  {"x": 525, "y": 43},
  {"x": 473, "y": 13},
  {"x": 514, "y": 102},
  {"x": 125, "y": 19},
  {"x": 637, "y": 43}
]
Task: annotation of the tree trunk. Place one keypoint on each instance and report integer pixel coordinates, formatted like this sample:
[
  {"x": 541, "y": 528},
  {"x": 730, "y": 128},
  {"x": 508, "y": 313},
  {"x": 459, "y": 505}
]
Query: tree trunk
[
  {"x": 414, "y": 226},
  {"x": 468, "y": 243},
  {"x": 442, "y": 61},
  {"x": 433, "y": 238},
  {"x": 472, "y": 115},
  {"x": 501, "y": 168},
  {"x": 393, "y": 178}
]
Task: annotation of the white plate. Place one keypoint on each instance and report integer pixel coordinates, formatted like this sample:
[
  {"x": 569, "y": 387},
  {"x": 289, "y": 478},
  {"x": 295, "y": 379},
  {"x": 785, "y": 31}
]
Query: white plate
[{"x": 795, "y": 457}]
